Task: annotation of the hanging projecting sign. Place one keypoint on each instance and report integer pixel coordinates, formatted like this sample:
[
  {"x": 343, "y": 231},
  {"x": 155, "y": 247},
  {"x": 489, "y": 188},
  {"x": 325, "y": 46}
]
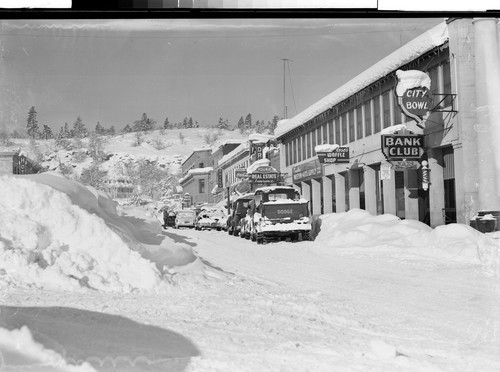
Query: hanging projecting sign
[
  {"x": 258, "y": 148},
  {"x": 264, "y": 174},
  {"x": 219, "y": 178},
  {"x": 339, "y": 155},
  {"x": 402, "y": 146},
  {"x": 240, "y": 173},
  {"x": 414, "y": 95}
]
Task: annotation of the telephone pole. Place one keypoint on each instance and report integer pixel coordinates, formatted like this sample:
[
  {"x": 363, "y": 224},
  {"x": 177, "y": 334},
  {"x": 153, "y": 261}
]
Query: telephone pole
[{"x": 285, "y": 60}]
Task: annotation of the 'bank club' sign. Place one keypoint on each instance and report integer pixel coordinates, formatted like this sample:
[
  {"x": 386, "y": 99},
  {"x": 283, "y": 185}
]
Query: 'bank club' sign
[
  {"x": 339, "y": 155},
  {"x": 402, "y": 146},
  {"x": 414, "y": 95}
]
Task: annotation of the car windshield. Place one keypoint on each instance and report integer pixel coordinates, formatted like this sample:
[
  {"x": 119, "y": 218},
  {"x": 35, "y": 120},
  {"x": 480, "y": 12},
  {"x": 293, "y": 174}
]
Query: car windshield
[{"x": 186, "y": 213}]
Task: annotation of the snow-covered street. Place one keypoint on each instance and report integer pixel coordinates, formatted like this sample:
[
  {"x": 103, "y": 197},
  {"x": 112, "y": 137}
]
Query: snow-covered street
[{"x": 370, "y": 293}]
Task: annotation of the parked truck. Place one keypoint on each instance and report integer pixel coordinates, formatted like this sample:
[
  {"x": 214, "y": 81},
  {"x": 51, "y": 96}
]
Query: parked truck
[{"x": 278, "y": 213}]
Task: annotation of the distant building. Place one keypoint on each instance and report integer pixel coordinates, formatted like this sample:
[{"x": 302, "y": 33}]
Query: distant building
[
  {"x": 16, "y": 162},
  {"x": 119, "y": 187}
]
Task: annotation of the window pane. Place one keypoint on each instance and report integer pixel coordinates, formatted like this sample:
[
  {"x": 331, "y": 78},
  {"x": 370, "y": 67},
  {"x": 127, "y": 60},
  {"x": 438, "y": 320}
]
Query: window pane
[
  {"x": 325, "y": 133},
  {"x": 397, "y": 111},
  {"x": 351, "y": 126},
  {"x": 338, "y": 140},
  {"x": 313, "y": 133},
  {"x": 330, "y": 132},
  {"x": 386, "y": 109},
  {"x": 308, "y": 144},
  {"x": 318, "y": 136},
  {"x": 359, "y": 122},
  {"x": 344, "y": 129},
  {"x": 376, "y": 114},
  {"x": 368, "y": 119},
  {"x": 294, "y": 149}
]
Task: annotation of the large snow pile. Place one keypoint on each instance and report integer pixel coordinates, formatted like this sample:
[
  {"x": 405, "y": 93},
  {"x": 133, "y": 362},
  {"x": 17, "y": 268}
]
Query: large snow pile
[
  {"x": 57, "y": 233},
  {"x": 358, "y": 229},
  {"x": 21, "y": 352}
]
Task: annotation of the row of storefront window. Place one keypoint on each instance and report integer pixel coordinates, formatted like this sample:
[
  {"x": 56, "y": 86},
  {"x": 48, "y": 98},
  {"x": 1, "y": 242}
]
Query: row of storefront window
[{"x": 366, "y": 119}]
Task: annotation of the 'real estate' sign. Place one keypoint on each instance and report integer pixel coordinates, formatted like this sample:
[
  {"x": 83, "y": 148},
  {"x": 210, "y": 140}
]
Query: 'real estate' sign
[
  {"x": 339, "y": 155},
  {"x": 413, "y": 93},
  {"x": 402, "y": 146},
  {"x": 264, "y": 174}
]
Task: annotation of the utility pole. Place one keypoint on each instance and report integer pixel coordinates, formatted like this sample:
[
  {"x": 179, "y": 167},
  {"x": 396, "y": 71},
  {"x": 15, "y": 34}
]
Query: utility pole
[{"x": 284, "y": 88}]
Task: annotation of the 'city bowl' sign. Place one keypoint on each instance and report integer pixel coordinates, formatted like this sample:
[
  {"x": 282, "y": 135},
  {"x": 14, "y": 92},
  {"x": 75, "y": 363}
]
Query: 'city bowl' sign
[
  {"x": 398, "y": 147},
  {"x": 414, "y": 95}
]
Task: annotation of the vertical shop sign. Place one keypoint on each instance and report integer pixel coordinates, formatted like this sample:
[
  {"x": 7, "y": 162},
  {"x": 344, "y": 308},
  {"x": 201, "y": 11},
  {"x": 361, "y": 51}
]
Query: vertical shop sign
[{"x": 219, "y": 178}]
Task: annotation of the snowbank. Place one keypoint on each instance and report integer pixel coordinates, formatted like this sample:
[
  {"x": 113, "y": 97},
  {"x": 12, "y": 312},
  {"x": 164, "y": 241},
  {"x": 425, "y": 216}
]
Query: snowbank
[
  {"x": 19, "y": 350},
  {"x": 357, "y": 229},
  {"x": 56, "y": 233}
]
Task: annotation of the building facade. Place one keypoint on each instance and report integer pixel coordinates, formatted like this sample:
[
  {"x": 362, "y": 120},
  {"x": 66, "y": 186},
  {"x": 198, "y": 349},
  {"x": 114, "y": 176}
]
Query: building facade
[{"x": 456, "y": 56}]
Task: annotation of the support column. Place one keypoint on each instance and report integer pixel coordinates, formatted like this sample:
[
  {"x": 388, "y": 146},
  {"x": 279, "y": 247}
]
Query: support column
[
  {"x": 340, "y": 192},
  {"x": 370, "y": 189},
  {"x": 316, "y": 197},
  {"x": 354, "y": 188},
  {"x": 390, "y": 194},
  {"x": 327, "y": 195},
  {"x": 487, "y": 70},
  {"x": 436, "y": 188},
  {"x": 306, "y": 193}
]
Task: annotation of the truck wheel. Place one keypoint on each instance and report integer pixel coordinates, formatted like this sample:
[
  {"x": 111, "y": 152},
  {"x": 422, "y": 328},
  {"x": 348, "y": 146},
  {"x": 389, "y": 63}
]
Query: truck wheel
[{"x": 299, "y": 237}]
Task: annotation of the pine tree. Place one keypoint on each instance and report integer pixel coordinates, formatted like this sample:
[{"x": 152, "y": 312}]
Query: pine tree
[
  {"x": 185, "y": 123},
  {"x": 260, "y": 126},
  {"x": 66, "y": 131},
  {"x": 196, "y": 125},
  {"x": 47, "y": 132},
  {"x": 144, "y": 124},
  {"x": 271, "y": 125},
  {"x": 99, "y": 129},
  {"x": 248, "y": 124},
  {"x": 32, "y": 124},
  {"x": 167, "y": 125},
  {"x": 190, "y": 123},
  {"x": 127, "y": 129},
  {"x": 79, "y": 130},
  {"x": 241, "y": 125},
  {"x": 111, "y": 131}
]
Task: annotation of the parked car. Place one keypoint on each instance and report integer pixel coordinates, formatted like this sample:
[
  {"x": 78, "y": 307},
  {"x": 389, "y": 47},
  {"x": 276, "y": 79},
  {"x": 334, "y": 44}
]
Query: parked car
[
  {"x": 210, "y": 218},
  {"x": 185, "y": 218},
  {"x": 238, "y": 212},
  {"x": 169, "y": 217}
]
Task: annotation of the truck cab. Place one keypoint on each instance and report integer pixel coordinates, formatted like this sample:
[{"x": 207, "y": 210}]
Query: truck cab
[{"x": 277, "y": 213}]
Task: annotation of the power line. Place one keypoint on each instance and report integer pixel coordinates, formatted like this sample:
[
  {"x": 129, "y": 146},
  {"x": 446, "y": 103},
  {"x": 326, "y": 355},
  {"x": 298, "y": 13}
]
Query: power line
[{"x": 210, "y": 37}]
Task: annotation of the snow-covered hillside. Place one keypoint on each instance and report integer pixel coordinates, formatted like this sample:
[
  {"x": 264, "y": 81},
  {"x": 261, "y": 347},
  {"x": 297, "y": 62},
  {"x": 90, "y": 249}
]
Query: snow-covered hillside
[{"x": 167, "y": 148}]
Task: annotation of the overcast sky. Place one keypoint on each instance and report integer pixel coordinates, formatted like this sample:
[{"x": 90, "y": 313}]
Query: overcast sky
[{"x": 112, "y": 71}]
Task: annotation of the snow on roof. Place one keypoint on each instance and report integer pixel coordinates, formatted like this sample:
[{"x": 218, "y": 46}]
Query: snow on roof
[
  {"x": 273, "y": 188},
  {"x": 411, "y": 79},
  {"x": 241, "y": 148},
  {"x": 260, "y": 137},
  {"x": 434, "y": 37},
  {"x": 326, "y": 147},
  {"x": 394, "y": 129},
  {"x": 258, "y": 163},
  {"x": 200, "y": 170}
]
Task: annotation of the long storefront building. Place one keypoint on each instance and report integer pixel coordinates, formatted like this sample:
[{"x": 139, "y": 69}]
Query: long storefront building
[{"x": 461, "y": 58}]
